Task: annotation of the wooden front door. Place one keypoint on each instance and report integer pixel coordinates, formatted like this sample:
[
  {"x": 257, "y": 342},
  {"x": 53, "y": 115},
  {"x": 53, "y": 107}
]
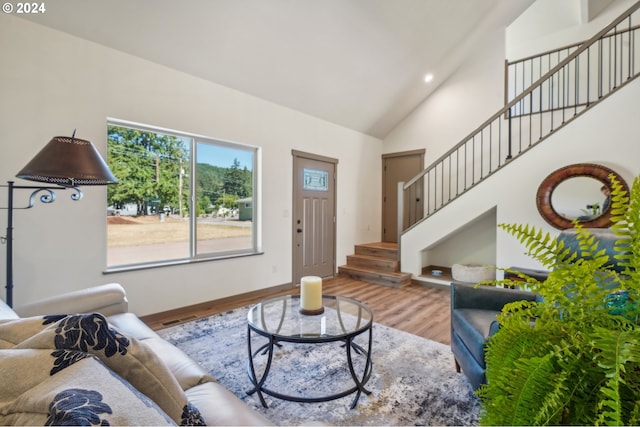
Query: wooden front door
[{"x": 314, "y": 214}]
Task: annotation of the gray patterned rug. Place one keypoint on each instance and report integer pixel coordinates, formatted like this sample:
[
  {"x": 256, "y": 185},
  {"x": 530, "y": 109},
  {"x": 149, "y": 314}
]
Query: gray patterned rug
[{"x": 413, "y": 380}]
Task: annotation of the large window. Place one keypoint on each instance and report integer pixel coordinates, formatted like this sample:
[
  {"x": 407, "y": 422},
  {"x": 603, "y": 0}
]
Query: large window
[{"x": 179, "y": 198}]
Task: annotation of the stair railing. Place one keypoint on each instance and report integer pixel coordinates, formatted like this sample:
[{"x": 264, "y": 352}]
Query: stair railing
[
  {"x": 590, "y": 73},
  {"x": 520, "y": 74}
]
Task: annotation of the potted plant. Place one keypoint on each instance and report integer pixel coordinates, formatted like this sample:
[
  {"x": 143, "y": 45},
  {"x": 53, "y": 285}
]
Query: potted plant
[{"x": 573, "y": 357}]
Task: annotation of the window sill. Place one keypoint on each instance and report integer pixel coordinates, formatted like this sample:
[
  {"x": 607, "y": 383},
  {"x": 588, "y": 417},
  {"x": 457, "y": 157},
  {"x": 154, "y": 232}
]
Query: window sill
[{"x": 171, "y": 263}]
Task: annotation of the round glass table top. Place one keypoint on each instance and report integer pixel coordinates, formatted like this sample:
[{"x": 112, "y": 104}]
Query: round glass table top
[{"x": 280, "y": 317}]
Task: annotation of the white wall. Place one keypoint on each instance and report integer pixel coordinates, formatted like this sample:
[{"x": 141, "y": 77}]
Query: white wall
[
  {"x": 472, "y": 243},
  {"x": 52, "y": 83},
  {"x": 461, "y": 104}
]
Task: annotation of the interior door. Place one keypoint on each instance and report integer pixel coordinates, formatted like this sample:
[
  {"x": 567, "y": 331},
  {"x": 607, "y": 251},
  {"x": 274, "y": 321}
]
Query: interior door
[
  {"x": 314, "y": 213},
  {"x": 398, "y": 167}
]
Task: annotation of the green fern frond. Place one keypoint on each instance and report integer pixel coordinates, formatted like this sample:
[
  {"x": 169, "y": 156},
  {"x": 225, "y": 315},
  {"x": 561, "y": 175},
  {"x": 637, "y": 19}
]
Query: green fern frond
[
  {"x": 524, "y": 379},
  {"x": 622, "y": 203},
  {"x": 619, "y": 353},
  {"x": 538, "y": 390},
  {"x": 540, "y": 246},
  {"x": 624, "y": 211},
  {"x": 634, "y": 418},
  {"x": 511, "y": 283},
  {"x": 571, "y": 359}
]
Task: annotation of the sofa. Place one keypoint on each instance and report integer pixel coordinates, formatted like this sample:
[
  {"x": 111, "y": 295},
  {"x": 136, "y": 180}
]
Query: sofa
[{"x": 82, "y": 358}]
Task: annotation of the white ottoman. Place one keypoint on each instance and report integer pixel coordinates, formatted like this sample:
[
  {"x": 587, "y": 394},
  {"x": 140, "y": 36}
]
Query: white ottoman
[{"x": 472, "y": 273}]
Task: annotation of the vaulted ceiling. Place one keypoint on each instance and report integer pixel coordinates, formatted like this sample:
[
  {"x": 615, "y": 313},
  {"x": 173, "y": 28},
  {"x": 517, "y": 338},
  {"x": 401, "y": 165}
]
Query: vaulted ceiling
[{"x": 356, "y": 63}]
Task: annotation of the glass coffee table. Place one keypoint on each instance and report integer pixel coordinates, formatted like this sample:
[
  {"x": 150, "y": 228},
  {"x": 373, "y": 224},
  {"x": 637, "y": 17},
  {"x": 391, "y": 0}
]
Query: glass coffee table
[{"x": 280, "y": 321}]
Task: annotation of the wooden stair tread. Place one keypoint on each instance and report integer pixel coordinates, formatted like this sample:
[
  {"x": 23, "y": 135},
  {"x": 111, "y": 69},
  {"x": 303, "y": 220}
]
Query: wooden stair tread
[
  {"x": 371, "y": 257},
  {"x": 376, "y": 262},
  {"x": 380, "y": 245},
  {"x": 379, "y": 249},
  {"x": 378, "y": 272}
]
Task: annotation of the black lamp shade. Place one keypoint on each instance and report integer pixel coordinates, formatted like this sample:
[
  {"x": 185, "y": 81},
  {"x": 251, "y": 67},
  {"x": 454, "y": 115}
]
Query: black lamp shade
[{"x": 69, "y": 162}]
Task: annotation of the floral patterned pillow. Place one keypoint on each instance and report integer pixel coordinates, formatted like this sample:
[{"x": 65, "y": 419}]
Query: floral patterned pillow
[
  {"x": 86, "y": 392},
  {"x": 71, "y": 338}
]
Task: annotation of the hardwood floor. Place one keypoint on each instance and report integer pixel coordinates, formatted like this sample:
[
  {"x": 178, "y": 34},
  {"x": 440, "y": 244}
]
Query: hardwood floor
[{"x": 415, "y": 308}]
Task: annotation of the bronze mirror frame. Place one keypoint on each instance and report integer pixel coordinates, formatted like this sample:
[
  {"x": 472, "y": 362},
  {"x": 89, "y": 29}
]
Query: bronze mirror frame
[{"x": 549, "y": 184}]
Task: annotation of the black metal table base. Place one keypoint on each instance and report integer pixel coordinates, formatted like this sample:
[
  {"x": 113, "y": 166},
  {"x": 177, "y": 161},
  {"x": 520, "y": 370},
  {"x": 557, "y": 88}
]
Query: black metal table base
[{"x": 269, "y": 347}]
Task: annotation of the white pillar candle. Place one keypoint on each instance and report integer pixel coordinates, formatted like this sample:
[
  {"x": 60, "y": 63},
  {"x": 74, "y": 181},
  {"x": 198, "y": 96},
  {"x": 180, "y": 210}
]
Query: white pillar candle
[{"x": 311, "y": 293}]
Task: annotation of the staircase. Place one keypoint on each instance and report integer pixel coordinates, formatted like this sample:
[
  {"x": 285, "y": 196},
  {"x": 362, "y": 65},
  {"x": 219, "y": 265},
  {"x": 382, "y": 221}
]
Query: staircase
[{"x": 375, "y": 263}]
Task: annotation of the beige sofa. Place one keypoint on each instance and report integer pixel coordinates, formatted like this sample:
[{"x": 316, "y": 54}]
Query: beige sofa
[{"x": 216, "y": 404}]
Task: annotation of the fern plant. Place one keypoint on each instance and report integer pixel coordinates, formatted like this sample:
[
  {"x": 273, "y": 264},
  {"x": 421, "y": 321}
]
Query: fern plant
[{"x": 573, "y": 357}]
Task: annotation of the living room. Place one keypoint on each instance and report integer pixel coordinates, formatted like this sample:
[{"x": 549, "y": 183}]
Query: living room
[
  {"x": 54, "y": 82},
  {"x": 45, "y": 95}
]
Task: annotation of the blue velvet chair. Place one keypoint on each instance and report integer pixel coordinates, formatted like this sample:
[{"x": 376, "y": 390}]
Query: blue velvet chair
[
  {"x": 473, "y": 321},
  {"x": 474, "y": 310}
]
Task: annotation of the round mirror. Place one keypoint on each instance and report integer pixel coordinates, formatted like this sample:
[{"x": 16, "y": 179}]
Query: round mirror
[
  {"x": 577, "y": 192},
  {"x": 578, "y": 198}
]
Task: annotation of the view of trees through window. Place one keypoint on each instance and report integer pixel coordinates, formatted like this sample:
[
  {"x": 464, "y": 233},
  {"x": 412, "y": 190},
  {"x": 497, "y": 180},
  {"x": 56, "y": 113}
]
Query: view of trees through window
[{"x": 178, "y": 197}]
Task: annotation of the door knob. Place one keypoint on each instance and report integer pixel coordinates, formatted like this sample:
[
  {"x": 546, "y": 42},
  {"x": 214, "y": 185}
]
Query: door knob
[{"x": 299, "y": 230}]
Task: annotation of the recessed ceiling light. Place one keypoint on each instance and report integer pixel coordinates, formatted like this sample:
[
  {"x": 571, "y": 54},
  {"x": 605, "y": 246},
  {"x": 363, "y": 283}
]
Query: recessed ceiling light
[{"x": 428, "y": 78}]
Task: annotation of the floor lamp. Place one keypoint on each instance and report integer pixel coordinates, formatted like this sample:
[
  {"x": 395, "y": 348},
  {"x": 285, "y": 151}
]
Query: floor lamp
[{"x": 64, "y": 163}]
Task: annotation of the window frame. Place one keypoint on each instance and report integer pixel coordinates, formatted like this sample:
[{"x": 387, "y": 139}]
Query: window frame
[{"x": 194, "y": 257}]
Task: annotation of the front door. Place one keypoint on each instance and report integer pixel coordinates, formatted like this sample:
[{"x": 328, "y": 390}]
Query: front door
[
  {"x": 314, "y": 213},
  {"x": 398, "y": 167}
]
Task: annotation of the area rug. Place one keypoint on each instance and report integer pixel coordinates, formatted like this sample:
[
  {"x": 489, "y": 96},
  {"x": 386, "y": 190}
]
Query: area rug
[{"x": 413, "y": 381}]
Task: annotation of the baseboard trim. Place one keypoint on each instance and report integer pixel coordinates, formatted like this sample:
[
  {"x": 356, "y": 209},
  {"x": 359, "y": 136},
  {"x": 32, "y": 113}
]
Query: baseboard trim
[{"x": 184, "y": 314}]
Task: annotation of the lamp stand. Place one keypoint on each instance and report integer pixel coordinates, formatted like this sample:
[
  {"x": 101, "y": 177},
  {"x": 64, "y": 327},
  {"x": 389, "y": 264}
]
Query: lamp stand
[
  {"x": 65, "y": 163},
  {"x": 8, "y": 238},
  {"x": 49, "y": 196}
]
